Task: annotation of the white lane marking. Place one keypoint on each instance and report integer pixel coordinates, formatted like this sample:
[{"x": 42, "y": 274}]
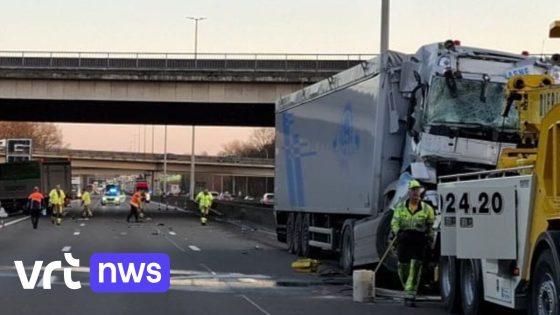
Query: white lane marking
[
  {"x": 172, "y": 233},
  {"x": 14, "y": 221},
  {"x": 255, "y": 304},
  {"x": 66, "y": 248},
  {"x": 207, "y": 268},
  {"x": 196, "y": 249},
  {"x": 83, "y": 224},
  {"x": 176, "y": 245},
  {"x": 76, "y": 233},
  {"x": 171, "y": 241}
]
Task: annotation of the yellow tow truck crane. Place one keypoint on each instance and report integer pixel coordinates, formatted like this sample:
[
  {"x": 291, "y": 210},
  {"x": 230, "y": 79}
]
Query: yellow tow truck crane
[{"x": 500, "y": 231}]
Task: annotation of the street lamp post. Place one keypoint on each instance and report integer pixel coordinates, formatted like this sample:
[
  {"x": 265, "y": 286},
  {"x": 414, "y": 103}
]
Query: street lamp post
[
  {"x": 144, "y": 139},
  {"x": 195, "y": 19},
  {"x": 191, "y": 188},
  {"x": 384, "y": 47},
  {"x": 153, "y": 142},
  {"x": 165, "y": 162},
  {"x": 192, "y": 181}
]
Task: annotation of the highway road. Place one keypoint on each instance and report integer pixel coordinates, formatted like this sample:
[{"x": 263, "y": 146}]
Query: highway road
[{"x": 222, "y": 268}]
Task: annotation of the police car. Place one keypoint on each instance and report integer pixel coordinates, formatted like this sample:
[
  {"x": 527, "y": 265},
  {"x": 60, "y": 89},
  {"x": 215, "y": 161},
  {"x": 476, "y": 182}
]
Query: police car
[{"x": 111, "y": 195}]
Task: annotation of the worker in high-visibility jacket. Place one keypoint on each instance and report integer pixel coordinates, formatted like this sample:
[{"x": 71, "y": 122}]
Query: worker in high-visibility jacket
[
  {"x": 135, "y": 205},
  {"x": 86, "y": 202},
  {"x": 412, "y": 224},
  {"x": 204, "y": 200},
  {"x": 35, "y": 204},
  {"x": 56, "y": 200}
]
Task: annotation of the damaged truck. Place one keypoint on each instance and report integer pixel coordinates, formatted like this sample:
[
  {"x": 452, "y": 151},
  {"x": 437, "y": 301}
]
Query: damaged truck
[{"x": 347, "y": 146}]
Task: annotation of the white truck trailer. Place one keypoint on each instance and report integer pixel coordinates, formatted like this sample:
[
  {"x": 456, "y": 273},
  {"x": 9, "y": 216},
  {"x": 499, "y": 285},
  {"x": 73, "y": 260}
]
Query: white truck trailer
[{"x": 346, "y": 146}]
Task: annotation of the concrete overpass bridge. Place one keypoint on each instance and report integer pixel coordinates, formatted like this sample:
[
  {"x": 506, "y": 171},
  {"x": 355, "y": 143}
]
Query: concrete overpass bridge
[
  {"x": 136, "y": 88},
  {"x": 85, "y": 162}
]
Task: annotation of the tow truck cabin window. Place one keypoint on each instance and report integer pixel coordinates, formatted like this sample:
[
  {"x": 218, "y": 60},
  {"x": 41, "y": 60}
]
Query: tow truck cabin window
[{"x": 468, "y": 108}]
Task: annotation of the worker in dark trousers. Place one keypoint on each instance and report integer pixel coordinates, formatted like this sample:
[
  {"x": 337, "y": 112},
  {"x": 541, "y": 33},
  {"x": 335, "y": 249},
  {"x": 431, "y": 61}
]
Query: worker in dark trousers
[
  {"x": 135, "y": 205},
  {"x": 35, "y": 205},
  {"x": 412, "y": 223}
]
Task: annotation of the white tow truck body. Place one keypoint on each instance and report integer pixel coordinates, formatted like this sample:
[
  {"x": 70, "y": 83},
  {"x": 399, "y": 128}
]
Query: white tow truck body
[{"x": 487, "y": 219}]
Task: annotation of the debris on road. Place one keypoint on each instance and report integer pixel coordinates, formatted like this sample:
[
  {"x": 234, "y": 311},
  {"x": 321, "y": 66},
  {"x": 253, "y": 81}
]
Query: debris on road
[{"x": 306, "y": 265}]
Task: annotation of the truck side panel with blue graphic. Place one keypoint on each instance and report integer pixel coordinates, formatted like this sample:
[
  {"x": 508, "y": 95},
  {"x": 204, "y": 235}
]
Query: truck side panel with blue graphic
[{"x": 335, "y": 152}]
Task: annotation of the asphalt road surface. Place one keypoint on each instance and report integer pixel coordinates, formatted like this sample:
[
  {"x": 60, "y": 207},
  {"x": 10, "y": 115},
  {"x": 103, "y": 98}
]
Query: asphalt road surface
[{"x": 222, "y": 268}]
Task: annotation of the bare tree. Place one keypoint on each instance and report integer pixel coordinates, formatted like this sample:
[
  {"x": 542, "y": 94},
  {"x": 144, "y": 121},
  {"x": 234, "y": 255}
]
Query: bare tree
[
  {"x": 45, "y": 136},
  {"x": 260, "y": 144},
  {"x": 261, "y": 137}
]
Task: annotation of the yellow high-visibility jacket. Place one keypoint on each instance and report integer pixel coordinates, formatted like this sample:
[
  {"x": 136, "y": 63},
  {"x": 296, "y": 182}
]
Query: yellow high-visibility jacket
[
  {"x": 204, "y": 201},
  {"x": 86, "y": 198},
  {"x": 57, "y": 197}
]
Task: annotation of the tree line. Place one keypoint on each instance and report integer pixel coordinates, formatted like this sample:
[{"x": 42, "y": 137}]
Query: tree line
[
  {"x": 45, "y": 136},
  {"x": 259, "y": 145}
]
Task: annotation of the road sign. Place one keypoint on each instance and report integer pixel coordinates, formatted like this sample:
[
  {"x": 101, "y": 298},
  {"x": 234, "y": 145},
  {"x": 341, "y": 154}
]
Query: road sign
[{"x": 18, "y": 150}]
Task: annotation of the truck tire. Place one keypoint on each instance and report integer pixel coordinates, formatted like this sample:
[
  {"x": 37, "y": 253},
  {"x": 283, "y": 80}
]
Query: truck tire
[
  {"x": 297, "y": 234},
  {"x": 545, "y": 286},
  {"x": 384, "y": 238},
  {"x": 472, "y": 291},
  {"x": 306, "y": 249},
  {"x": 290, "y": 232},
  {"x": 448, "y": 284},
  {"x": 346, "y": 259}
]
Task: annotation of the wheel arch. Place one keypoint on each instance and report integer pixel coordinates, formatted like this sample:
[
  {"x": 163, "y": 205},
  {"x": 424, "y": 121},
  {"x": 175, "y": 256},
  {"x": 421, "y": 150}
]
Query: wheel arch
[{"x": 547, "y": 240}]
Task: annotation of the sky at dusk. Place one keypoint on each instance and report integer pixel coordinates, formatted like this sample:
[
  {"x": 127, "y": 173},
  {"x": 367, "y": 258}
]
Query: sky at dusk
[{"x": 257, "y": 26}]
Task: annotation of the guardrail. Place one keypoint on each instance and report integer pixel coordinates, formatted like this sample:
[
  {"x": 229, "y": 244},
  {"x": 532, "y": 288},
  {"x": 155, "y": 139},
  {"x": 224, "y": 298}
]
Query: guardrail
[{"x": 180, "y": 61}]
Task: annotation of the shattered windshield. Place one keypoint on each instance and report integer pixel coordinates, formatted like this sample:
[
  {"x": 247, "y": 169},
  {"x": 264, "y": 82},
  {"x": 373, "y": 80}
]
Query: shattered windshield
[{"x": 467, "y": 108}]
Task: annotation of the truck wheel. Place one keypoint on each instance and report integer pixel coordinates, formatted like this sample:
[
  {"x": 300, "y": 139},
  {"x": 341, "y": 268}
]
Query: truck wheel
[
  {"x": 545, "y": 286},
  {"x": 448, "y": 284},
  {"x": 346, "y": 260},
  {"x": 384, "y": 238},
  {"x": 290, "y": 232},
  {"x": 472, "y": 292},
  {"x": 297, "y": 234},
  {"x": 306, "y": 249}
]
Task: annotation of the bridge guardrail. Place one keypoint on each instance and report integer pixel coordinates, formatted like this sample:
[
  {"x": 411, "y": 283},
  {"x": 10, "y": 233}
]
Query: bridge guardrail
[
  {"x": 181, "y": 61},
  {"x": 155, "y": 156}
]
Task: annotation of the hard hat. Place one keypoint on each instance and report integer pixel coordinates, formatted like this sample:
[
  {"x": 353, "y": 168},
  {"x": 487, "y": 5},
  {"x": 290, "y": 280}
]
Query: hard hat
[{"x": 414, "y": 184}]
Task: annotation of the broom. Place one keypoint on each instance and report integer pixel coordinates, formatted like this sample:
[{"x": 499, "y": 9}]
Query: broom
[{"x": 379, "y": 265}]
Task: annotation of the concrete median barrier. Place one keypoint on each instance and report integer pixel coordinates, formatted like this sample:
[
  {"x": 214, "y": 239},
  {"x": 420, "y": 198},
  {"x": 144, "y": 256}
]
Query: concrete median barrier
[
  {"x": 240, "y": 210},
  {"x": 253, "y": 213}
]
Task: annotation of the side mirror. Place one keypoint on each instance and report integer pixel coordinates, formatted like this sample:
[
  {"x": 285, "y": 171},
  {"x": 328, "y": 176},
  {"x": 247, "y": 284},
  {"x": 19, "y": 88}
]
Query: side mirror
[
  {"x": 451, "y": 83},
  {"x": 484, "y": 88},
  {"x": 511, "y": 98}
]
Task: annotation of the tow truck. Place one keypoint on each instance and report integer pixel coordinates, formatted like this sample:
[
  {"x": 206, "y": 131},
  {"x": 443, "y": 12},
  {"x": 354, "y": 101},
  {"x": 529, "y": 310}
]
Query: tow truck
[{"x": 500, "y": 231}]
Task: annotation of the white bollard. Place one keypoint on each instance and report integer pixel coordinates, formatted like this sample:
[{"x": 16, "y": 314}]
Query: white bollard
[{"x": 363, "y": 289}]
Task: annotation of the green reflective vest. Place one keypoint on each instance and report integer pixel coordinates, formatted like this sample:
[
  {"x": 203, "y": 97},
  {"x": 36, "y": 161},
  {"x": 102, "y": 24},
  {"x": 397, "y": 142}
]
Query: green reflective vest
[
  {"x": 422, "y": 220},
  {"x": 204, "y": 201}
]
